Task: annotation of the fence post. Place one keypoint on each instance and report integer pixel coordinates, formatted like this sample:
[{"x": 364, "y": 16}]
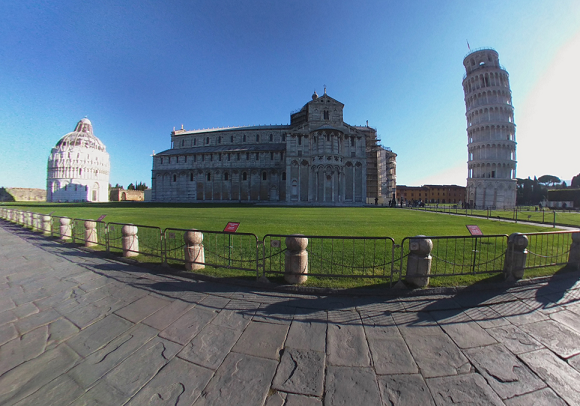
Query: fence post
[
  {"x": 574, "y": 257},
  {"x": 130, "y": 240},
  {"x": 46, "y": 224},
  {"x": 419, "y": 261},
  {"x": 193, "y": 250},
  {"x": 296, "y": 259},
  {"x": 91, "y": 238},
  {"x": 65, "y": 228},
  {"x": 515, "y": 256}
]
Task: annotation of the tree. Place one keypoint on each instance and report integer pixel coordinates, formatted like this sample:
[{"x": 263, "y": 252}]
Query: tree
[
  {"x": 131, "y": 187},
  {"x": 575, "y": 181},
  {"x": 141, "y": 186},
  {"x": 564, "y": 185},
  {"x": 549, "y": 179}
]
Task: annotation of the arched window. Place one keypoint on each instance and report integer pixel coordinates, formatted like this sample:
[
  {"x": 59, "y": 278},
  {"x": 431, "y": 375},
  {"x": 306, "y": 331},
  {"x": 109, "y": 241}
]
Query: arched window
[
  {"x": 326, "y": 115},
  {"x": 182, "y": 143},
  {"x": 191, "y": 177},
  {"x": 283, "y": 175},
  {"x": 264, "y": 175},
  {"x": 175, "y": 178},
  {"x": 271, "y": 137},
  {"x": 257, "y": 137},
  {"x": 244, "y": 176},
  {"x": 219, "y": 139},
  {"x": 226, "y": 176},
  {"x": 232, "y": 139},
  {"x": 195, "y": 141},
  {"x": 244, "y": 138},
  {"x": 207, "y": 140},
  {"x": 208, "y": 176}
]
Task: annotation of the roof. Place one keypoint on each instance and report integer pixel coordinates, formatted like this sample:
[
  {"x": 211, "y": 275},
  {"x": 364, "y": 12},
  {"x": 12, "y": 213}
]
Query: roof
[
  {"x": 274, "y": 147},
  {"x": 213, "y": 130},
  {"x": 82, "y": 136}
]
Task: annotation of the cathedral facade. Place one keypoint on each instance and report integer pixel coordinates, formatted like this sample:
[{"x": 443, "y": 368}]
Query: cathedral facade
[
  {"x": 78, "y": 167},
  {"x": 317, "y": 159}
]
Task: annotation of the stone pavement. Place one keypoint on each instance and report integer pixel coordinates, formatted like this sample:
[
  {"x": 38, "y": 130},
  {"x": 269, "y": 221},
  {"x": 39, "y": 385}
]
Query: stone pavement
[{"x": 77, "y": 328}]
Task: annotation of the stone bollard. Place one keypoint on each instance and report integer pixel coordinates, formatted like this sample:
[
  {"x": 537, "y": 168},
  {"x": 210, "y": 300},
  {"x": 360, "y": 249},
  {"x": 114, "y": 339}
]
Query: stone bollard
[
  {"x": 193, "y": 250},
  {"x": 419, "y": 261},
  {"x": 91, "y": 233},
  {"x": 47, "y": 224},
  {"x": 35, "y": 222},
  {"x": 515, "y": 256},
  {"x": 574, "y": 257},
  {"x": 65, "y": 228},
  {"x": 21, "y": 218},
  {"x": 296, "y": 261},
  {"x": 130, "y": 241}
]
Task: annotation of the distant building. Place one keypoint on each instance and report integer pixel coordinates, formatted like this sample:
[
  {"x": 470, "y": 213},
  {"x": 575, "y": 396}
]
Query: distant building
[
  {"x": 78, "y": 167},
  {"x": 491, "y": 132},
  {"x": 317, "y": 159},
  {"x": 117, "y": 194},
  {"x": 444, "y": 194}
]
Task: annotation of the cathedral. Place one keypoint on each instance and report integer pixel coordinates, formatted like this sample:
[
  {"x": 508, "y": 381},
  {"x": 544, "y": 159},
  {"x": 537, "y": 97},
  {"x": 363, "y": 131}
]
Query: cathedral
[
  {"x": 78, "y": 167},
  {"x": 317, "y": 159}
]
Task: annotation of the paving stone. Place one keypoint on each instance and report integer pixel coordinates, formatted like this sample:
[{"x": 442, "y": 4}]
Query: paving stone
[
  {"x": 214, "y": 302},
  {"x": 574, "y": 362},
  {"x": 351, "y": 386},
  {"x": 262, "y": 340},
  {"x": 62, "y": 391},
  {"x": 36, "y": 320},
  {"x": 307, "y": 335},
  {"x": 275, "y": 313},
  {"x": 168, "y": 314},
  {"x": 140, "y": 309},
  {"x": 275, "y": 399},
  {"x": 299, "y": 400},
  {"x": 99, "y": 334},
  {"x": 503, "y": 371},
  {"x": 241, "y": 380},
  {"x": 7, "y": 332},
  {"x": 210, "y": 347},
  {"x": 543, "y": 397},
  {"x": 437, "y": 355},
  {"x": 380, "y": 325},
  {"x": 127, "y": 378},
  {"x": 25, "y": 310},
  {"x": 562, "y": 340},
  {"x": 568, "y": 318},
  {"x": 467, "y": 389},
  {"x": 84, "y": 316},
  {"x": 560, "y": 376},
  {"x": 468, "y": 334},
  {"x": 486, "y": 317},
  {"x": 514, "y": 339},
  {"x": 347, "y": 345},
  {"x": 391, "y": 356},
  {"x": 22, "y": 381},
  {"x": 102, "y": 361},
  {"x": 7, "y": 316},
  {"x": 416, "y": 324},
  {"x": 178, "y": 383},
  {"x": 405, "y": 390},
  {"x": 187, "y": 326},
  {"x": 23, "y": 348},
  {"x": 233, "y": 319},
  {"x": 300, "y": 371},
  {"x": 519, "y": 313}
]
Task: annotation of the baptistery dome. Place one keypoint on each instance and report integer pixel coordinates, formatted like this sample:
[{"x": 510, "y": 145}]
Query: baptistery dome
[{"x": 78, "y": 167}]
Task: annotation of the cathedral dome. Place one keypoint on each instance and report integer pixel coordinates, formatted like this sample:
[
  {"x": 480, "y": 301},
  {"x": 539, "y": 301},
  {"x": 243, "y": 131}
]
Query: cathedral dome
[{"x": 82, "y": 137}]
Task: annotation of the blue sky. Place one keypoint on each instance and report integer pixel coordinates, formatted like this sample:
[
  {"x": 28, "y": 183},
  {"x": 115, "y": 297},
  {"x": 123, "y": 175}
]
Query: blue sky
[{"x": 137, "y": 69}]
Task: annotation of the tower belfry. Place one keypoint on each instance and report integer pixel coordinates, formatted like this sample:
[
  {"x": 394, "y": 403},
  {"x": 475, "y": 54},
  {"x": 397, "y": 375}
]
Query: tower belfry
[{"x": 491, "y": 132}]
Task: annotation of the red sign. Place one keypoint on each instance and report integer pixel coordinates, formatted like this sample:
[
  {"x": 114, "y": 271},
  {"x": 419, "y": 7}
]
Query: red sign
[
  {"x": 231, "y": 227},
  {"x": 474, "y": 230},
  {"x": 102, "y": 217}
]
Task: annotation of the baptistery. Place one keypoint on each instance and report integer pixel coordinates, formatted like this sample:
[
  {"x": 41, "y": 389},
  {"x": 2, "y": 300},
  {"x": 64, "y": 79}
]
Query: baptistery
[{"x": 78, "y": 167}]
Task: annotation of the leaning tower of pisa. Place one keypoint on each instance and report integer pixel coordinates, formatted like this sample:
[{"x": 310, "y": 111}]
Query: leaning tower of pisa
[{"x": 491, "y": 132}]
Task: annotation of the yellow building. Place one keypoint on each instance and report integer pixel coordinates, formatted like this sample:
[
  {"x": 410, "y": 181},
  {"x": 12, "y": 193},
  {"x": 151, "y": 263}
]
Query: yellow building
[{"x": 431, "y": 194}]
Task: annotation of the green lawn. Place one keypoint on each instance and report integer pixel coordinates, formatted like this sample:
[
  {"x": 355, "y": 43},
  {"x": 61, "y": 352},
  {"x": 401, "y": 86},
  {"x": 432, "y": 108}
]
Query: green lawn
[{"x": 327, "y": 256}]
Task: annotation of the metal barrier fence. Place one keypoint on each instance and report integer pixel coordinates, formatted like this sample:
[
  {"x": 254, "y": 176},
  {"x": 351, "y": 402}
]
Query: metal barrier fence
[
  {"x": 146, "y": 240},
  {"x": 333, "y": 256},
  {"x": 548, "y": 249},
  {"x": 96, "y": 237},
  {"x": 220, "y": 249},
  {"x": 462, "y": 255},
  {"x": 328, "y": 256}
]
